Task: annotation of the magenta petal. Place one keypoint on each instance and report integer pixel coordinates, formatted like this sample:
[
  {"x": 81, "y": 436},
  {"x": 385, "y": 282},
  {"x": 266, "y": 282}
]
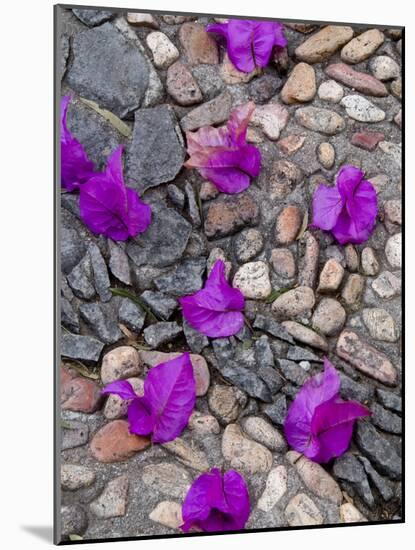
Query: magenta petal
[
  {"x": 140, "y": 416},
  {"x": 76, "y": 168},
  {"x": 240, "y": 44},
  {"x": 109, "y": 208},
  {"x": 218, "y": 28},
  {"x": 348, "y": 179},
  {"x": 122, "y": 388},
  {"x": 216, "y": 309},
  {"x": 170, "y": 389},
  {"x": 216, "y": 504},
  {"x": 222, "y": 154},
  {"x": 327, "y": 205}
]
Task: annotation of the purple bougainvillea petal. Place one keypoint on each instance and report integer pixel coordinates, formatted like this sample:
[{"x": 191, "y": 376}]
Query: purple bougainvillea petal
[
  {"x": 215, "y": 504},
  {"x": 222, "y": 155},
  {"x": 215, "y": 310},
  {"x": 170, "y": 389},
  {"x": 76, "y": 168},
  {"x": 141, "y": 416},
  {"x": 250, "y": 43},
  {"x": 122, "y": 388},
  {"x": 327, "y": 205},
  {"x": 109, "y": 208},
  {"x": 348, "y": 210},
  {"x": 319, "y": 423}
]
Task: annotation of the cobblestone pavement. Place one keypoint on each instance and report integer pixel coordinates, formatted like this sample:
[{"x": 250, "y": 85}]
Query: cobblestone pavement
[{"x": 333, "y": 98}]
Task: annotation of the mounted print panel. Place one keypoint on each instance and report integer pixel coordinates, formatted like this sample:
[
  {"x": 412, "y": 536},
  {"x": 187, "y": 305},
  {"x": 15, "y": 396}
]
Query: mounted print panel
[{"x": 229, "y": 255}]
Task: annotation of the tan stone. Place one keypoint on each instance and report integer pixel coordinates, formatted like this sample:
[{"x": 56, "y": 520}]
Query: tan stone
[
  {"x": 300, "y": 86},
  {"x": 363, "y": 46},
  {"x": 244, "y": 453},
  {"x": 321, "y": 45}
]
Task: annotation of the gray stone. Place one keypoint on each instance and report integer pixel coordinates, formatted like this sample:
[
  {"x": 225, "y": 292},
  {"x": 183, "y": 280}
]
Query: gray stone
[
  {"x": 243, "y": 453},
  {"x": 378, "y": 450},
  {"x": 272, "y": 327},
  {"x": 320, "y": 120},
  {"x": 93, "y": 17},
  {"x": 86, "y": 124},
  {"x": 108, "y": 69},
  {"x": 75, "y": 476},
  {"x": 383, "y": 485},
  {"x": 161, "y": 304},
  {"x": 296, "y": 353},
  {"x": 264, "y": 88},
  {"x": 176, "y": 195},
  {"x": 72, "y": 248},
  {"x": 73, "y": 434},
  {"x": 329, "y": 317},
  {"x": 74, "y": 520},
  {"x": 83, "y": 348},
  {"x": 361, "y": 109},
  {"x": 102, "y": 321},
  {"x": 247, "y": 380},
  {"x": 65, "y": 47},
  {"x": 194, "y": 212},
  {"x": 292, "y": 372},
  {"x": 112, "y": 502},
  {"x": 277, "y": 411},
  {"x": 209, "y": 80},
  {"x": 118, "y": 263},
  {"x": 211, "y": 113},
  {"x": 184, "y": 279},
  {"x": 350, "y": 389},
  {"x": 263, "y": 352},
  {"x": 380, "y": 324},
  {"x": 69, "y": 317},
  {"x": 387, "y": 285},
  {"x": 156, "y": 152},
  {"x": 161, "y": 333},
  {"x": 167, "y": 478},
  {"x": 131, "y": 315},
  {"x": 386, "y": 420},
  {"x": 248, "y": 244},
  {"x": 100, "y": 272},
  {"x": 195, "y": 340},
  {"x": 294, "y": 303},
  {"x": 80, "y": 279},
  {"x": 348, "y": 468},
  {"x": 271, "y": 378},
  {"x": 389, "y": 400},
  {"x": 226, "y": 402},
  {"x": 163, "y": 243},
  {"x": 384, "y": 67}
]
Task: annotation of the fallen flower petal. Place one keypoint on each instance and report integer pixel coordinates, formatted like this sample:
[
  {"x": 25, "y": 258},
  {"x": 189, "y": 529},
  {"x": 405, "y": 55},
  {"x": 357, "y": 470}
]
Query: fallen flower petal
[
  {"x": 110, "y": 208},
  {"x": 168, "y": 401},
  {"x": 76, "y": 168},
  {"x": 349, "y": 209},
  {"x": 222, "y": 155},
  {"x": 319, "y": 422},
  {"x": 250, "y": 43},
  {"x": 215, "y": 310},
  {"x": 216, "y": 503}
]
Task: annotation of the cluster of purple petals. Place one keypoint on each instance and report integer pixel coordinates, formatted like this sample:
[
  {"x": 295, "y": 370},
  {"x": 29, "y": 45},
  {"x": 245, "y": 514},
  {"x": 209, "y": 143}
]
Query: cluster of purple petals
[
  {"x": 348, "y": 209},
  {"x": 107, "y": 206},
  {"x": 250, "y": 44}
]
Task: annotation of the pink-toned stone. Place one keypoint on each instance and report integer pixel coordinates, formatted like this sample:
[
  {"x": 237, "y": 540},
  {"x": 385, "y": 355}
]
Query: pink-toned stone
[
  {"x": 288, "y": 224},
  {"x": 199, "y": 46},
  {"x": 271, "y": 119},
  {"x": 200, "y": 368},
  {"x": 78, "y": 393},
  {"x": 208, "y": 191},
  {"x": 181, "y": 85},
  {"x": 290, "y": 144},
  {"x": 224, "y": 218},
  {"x": 309, "y": 262},
  {"x": 361, "y": 82},
  {"x": 367, "y": 140},
  {"x": 283, "y": 262},
  {"x": 366, "y": 358},
  {"x": 114, "y": 442}
]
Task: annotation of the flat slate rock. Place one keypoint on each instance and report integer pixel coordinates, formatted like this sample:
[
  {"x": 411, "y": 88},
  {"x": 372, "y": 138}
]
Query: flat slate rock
[
  {"x": 93, "y": 17},
  {"x": 164, "y": 241},
  {"x": 72, "y": 248},
  {"x": 84, "y": 348},
  {"x": 378, "y": 450},
  {"x": 156, "y": 153},
  {"x": 102, "y": 320},
  {"x": 86, "y": 124},
  {"x": 184, "y": 279},
  {"x": 108, "y": 69},
  {"x": 246, "y": 380},
  {"x": 272, "y": 327},
  {"x": 161, "y": 304}
]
